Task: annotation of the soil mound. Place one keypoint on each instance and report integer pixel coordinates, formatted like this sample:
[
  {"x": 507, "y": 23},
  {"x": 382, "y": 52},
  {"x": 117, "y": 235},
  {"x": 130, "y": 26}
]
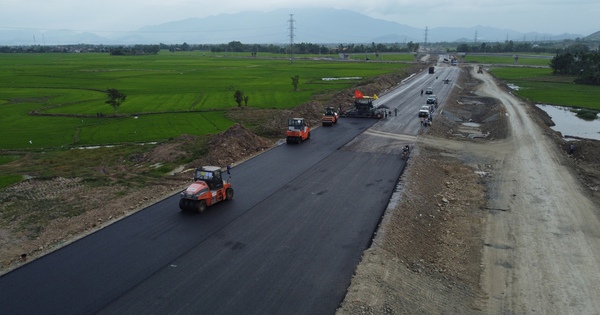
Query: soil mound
[{"x": 232, "y": 145}]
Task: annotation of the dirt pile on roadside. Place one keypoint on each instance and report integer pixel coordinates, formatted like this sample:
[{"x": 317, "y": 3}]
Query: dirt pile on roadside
[
  {"x": 586, "y": 163},
  {"x": 465, "y": 114},
  {"x": 170, "y": 151},
  {"x": 233, "y": 145}
]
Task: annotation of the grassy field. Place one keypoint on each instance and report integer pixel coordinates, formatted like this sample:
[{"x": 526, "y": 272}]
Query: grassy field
[
  {"x": 524, "y": 60},
  {"x": 170, "y": 93},
  {"x": 540, "y": 86}
]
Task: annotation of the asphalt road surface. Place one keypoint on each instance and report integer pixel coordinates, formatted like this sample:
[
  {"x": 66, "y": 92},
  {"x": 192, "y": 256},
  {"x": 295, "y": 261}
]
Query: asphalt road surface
[{"x": 288, "y": 242}]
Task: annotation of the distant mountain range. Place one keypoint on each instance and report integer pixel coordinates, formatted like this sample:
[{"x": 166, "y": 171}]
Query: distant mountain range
[{"x": 317, "y": 26}]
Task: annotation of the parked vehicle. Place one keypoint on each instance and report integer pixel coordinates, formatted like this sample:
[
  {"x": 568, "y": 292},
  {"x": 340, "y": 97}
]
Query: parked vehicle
[
  {"x": 431, "y": 99},
  {"x": 425, "y": 111}
]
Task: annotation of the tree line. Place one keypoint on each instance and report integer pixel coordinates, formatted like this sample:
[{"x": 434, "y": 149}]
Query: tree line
[
  {"x": 297, "y": 48},
  {"x": 584, "y": 65},
  {"x": 509, "y": 46},
  {"x": 234, "y": 46}
]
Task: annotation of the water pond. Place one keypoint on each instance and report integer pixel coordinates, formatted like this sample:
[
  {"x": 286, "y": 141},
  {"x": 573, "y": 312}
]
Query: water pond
[{"x": 570, "y": 125}]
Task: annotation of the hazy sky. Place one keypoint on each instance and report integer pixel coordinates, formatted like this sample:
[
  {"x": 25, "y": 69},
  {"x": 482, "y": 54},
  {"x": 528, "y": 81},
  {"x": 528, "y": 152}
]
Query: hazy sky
[{"x": 544, "y": 16}]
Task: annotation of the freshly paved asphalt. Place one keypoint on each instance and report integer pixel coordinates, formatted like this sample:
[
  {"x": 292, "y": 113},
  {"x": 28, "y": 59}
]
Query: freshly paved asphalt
[{"x": 288, "y": 242}]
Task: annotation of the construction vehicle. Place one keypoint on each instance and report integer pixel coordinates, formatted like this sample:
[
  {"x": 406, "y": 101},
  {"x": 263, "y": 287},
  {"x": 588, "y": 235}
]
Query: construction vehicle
[
  {"x": 298, "y": 131},
  {"x": 431, "y": 70},
  {"x": 363, "y": 108},
  {"x": 330, "y": 117},
  {"x": 208, "y": 188}
]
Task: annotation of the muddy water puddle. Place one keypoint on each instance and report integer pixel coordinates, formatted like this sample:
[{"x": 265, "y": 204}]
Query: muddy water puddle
[{"x": 570, "y": 125}]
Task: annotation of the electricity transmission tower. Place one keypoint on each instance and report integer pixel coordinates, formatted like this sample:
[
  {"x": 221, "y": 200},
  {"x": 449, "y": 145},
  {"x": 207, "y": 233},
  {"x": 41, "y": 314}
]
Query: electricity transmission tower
[{"x": 291, "y": 20}]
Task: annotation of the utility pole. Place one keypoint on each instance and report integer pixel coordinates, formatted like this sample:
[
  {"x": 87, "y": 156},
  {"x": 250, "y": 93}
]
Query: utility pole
[{"x": 291, "y": 20}]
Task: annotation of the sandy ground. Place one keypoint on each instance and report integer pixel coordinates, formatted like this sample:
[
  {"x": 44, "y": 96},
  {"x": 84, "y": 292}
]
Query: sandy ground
[{"x": 505, "y": 224}]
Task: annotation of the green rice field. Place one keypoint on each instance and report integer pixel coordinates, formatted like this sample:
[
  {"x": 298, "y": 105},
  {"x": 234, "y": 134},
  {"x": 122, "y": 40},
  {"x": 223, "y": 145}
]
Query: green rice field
[
  {"x": 58, "y": 100},
  {"x": 524, "y": 60},
  {"x": 540, "y": 86}
]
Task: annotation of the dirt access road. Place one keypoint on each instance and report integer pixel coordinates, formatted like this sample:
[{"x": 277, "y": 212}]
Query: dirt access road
[
  {"x": 542, "y": 249},
  {"x": 500, "y": 225}
]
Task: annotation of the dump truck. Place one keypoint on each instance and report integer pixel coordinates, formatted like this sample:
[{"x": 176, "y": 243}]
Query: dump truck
[
  {"x": 330, "y": 117},
  {"x": 207, "y": 189},
  {"x": 298, "y": 130}
]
